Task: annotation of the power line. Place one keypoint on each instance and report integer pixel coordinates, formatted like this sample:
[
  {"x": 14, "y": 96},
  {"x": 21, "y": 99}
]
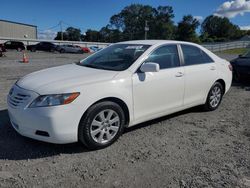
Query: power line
[{"x": 50, "y": 28}]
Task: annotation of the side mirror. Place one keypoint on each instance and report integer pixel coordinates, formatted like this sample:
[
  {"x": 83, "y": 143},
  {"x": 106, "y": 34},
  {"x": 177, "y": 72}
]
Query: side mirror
[{"x": 150, "y": 67}]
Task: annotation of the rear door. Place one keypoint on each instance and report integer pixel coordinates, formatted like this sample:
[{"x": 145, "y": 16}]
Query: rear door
[{"x": 200, "y": 74}]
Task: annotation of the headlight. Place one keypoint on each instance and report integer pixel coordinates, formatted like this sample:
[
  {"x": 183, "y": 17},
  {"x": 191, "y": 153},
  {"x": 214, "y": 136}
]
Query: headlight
[{"x": 54, "y": 100}]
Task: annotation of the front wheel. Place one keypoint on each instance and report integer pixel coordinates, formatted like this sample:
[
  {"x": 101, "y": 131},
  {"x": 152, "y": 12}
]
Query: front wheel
[
  {"x": 214, "y": 97},
  {"x": 19, "y": 49},
  {"x": 102, "y": 125}
]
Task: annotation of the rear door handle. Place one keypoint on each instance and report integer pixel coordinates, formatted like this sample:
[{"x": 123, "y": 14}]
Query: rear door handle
[
  {"x": 212, "y": 68},
  {"x": 179, "y": 74}
]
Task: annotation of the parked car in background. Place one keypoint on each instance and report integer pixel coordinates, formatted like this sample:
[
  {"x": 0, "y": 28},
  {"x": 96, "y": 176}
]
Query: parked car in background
[
  {"x": 42, "y": 46},
  {"x": 241, "y": 67},
  {"x": 2, "y": 48},
  {"x": 94, "y": 48},
  {"x": 16, "y": 45},
  {"x": 69, "y": 49},
  {"x": 120, "y": 86},
  {"x": 85, "y": 49}
]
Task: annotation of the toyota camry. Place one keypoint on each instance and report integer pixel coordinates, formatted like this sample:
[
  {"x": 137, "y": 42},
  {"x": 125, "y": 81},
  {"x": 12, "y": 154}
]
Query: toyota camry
[{"x": 120, "y": 86}]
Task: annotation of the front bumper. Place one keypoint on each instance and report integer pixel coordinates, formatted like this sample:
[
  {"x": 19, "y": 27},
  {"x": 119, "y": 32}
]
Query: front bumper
[{"x": 58, "y": 124}]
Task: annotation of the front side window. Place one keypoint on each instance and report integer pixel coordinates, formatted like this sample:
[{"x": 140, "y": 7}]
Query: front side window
[
  {"x": 117, "y": 57},
  {"x": 165, "y": 56},
  {"x": 194, "y": 56}
]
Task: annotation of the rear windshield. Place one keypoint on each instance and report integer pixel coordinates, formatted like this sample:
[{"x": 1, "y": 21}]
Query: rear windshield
[{"x": 117, "y": 57}]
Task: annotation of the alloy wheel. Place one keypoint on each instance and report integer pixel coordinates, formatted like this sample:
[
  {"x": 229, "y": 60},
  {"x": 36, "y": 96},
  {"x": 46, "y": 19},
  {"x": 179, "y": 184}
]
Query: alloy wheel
[
  {"x": 215, "y": 97},
  {"x": 105, "y": 126}
]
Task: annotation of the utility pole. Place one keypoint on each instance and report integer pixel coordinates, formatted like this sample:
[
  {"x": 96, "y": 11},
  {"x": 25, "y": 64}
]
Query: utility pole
[
  {"x": 146, "y": 29},
  {"x": 61, "y": 30}
]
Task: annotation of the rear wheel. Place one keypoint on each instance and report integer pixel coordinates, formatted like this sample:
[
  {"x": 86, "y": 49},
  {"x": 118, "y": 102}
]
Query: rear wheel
[
  {"x": 62, "y": 51},
  {"x": 33, "y": 49},
  {"x": 214, "y": 97},
  {"x": 102, "y": 125}
]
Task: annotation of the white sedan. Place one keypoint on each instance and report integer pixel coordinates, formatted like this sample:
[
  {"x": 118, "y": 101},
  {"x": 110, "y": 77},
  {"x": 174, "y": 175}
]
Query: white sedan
[{"x": 120, "y": 86}]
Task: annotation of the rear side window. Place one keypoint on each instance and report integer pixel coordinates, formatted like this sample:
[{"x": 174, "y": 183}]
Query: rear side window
[
  {"x": 165, "y": 56},
  {"x": 194, "y": 56}
]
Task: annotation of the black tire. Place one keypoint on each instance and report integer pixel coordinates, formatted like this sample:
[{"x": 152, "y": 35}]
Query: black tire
[
  {"x": 19, "y": 49},
  {"x": 62, "y": 51},
  {"x": 33, "y": 49},
  {"x": 52, "y": 50},
  {"x": 84, "y": 130},
  {"x": 208, "y": 106}
]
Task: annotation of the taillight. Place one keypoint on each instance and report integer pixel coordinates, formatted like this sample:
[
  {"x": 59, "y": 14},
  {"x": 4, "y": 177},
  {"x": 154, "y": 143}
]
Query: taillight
[{"x": 230, "y": 67}]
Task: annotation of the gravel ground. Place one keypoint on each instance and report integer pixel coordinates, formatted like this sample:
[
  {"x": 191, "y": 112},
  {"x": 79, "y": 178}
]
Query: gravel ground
[{"x": 187, "y": 149}]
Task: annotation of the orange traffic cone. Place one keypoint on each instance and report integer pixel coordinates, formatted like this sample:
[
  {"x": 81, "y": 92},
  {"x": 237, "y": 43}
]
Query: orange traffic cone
[{"x": 25, "y": 58}]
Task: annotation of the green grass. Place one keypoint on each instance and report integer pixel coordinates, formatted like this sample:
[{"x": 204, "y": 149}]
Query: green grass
[{"x": 235, "y": 51}]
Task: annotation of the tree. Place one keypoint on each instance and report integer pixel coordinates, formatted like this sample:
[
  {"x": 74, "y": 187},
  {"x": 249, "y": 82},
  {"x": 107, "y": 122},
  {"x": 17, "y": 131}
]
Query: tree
[
  {"x": 219, "y": 29},
  {"x": 162, "y": 26},
  {"x": 59, "y": 36},
  {"x": 107, "y": 34},
  {"x": 92, "y": 36},
  {"x": 131, "y": 22},
  {"x": 186, "y": 29},
  {"x": 71, "y": 34}
]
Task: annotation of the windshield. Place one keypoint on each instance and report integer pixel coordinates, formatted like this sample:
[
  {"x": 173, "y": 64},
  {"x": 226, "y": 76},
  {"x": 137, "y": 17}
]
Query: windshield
[
  {"x": 247, "y": 54},
  {"x": 117, "y": 57}
]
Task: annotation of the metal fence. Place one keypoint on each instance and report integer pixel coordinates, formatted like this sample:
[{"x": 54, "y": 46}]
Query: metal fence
[
  {"x": 58, "y": 42},
  {"x": 214, "y": 47},
  {"x": 217, "y": 47}
]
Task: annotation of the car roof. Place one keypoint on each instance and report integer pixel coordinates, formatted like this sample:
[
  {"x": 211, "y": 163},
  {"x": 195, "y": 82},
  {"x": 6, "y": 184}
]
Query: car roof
[{"x": 154, "y": 42}]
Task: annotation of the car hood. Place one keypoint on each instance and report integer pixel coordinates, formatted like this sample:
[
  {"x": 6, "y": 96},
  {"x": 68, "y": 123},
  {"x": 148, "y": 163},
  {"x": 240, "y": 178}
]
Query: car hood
[{"x": 62, "y": 78}]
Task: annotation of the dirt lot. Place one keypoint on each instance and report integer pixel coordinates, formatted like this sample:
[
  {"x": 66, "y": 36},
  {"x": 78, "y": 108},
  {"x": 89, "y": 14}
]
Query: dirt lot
[{"x": 187, "y": 149}]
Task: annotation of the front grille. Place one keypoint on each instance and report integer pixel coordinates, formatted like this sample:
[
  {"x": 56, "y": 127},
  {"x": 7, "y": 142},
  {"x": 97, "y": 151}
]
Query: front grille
[{"x": 17, "y": 97}]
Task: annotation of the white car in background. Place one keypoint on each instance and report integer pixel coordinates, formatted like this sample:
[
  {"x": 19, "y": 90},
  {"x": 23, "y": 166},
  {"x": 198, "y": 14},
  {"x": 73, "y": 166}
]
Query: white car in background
[{"x": 120, "y": 86}]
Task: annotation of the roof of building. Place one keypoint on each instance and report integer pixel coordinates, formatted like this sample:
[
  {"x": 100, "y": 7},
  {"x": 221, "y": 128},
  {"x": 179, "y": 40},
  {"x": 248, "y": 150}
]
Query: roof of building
[{"x": 18, "y": 23}]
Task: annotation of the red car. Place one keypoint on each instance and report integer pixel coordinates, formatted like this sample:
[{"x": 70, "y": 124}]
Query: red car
[{"x": 85, "y": 49}]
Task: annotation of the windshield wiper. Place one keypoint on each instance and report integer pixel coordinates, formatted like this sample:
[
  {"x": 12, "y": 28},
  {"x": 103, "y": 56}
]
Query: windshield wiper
[{"x": 96, "y": 67}]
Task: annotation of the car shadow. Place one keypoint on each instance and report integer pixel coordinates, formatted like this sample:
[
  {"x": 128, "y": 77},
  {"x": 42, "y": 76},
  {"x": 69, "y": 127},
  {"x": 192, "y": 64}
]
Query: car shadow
[
  {"x": 197, "y": 109},
  {"x": 242, "y": 85}
]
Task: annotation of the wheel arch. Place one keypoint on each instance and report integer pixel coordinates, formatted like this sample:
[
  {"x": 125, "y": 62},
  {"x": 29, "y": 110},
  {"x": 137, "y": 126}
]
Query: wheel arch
[
  {"x": 118, "y": 101},
  {"x": 223, "y": 83}
]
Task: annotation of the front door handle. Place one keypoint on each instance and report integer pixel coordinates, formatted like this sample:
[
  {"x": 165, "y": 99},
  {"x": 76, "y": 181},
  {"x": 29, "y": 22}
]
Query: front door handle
[
  {"x": 212, "y": 68},
  {"x": 179, "y": 74}
]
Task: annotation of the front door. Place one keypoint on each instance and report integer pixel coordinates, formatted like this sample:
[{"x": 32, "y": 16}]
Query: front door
[{"x": 159, "y": 93}]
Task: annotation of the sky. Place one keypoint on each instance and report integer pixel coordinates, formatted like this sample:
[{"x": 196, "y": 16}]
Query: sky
[{"x": 94, "y": 14}]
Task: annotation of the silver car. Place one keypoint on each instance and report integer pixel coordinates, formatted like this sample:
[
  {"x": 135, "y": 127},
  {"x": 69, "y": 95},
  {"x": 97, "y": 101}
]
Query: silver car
[{"x": 69, "y": 49}]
